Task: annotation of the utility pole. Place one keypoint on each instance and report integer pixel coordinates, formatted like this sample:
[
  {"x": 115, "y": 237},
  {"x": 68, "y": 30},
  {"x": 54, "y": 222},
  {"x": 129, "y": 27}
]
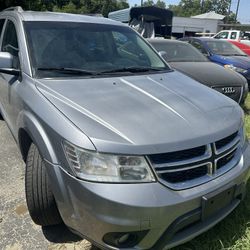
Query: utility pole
[
  {"x": 141, "y": 2},
  {"x": 229, "y": 10},
  {"x": 202, "y": 6},
  {"x": 237, "y": 10}
]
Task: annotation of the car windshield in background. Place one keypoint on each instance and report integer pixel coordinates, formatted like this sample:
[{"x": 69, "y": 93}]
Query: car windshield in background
[
  {"x": 179, "y": 52},
  {"x": 82, "y": 49},
  {"x": 224, "y": 48}
]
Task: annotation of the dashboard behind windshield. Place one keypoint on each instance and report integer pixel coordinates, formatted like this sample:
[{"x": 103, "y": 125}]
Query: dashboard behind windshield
[{"x": 88, "y": 47}]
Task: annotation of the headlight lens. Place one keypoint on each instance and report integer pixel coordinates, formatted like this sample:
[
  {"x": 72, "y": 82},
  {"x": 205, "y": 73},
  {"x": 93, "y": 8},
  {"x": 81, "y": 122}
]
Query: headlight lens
[
  {"x": 99, "y": 167},
  {"x": 237, "y": 69}
]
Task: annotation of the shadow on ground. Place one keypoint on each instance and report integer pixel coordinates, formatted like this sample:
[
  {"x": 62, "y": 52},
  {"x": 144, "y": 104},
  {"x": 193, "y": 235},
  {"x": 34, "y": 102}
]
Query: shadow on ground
[{"x": 61, "y": 234}]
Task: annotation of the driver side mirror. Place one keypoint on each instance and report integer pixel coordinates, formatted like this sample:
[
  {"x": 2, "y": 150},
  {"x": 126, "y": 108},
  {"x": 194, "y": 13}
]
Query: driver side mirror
[{"x": 6, "y": 64}]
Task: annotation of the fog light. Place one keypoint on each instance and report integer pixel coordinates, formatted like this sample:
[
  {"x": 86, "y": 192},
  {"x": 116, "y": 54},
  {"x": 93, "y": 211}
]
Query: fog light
[{"x": 124, "y": 240}]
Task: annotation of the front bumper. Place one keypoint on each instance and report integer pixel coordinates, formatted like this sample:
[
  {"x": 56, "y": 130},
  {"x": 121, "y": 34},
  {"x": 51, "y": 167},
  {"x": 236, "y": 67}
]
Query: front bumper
[{"x": 167, "y": 218}]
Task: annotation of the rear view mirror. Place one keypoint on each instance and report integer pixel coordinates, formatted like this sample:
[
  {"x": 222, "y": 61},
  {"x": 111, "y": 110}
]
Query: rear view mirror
[{"x": 6, "y": 64}]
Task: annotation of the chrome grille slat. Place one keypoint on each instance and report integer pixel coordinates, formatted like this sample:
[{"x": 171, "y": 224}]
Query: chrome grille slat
[
  {"x": 194, "y": 160},
  {"x": 181, "y": 169},
  {"x": 235, "y": 141},
  {"x": 223, "y": 154}
]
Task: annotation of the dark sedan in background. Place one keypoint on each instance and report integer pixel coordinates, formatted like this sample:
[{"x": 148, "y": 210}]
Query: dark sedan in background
[
  {"x": 188, "y": 60},
  {"x": 223, "y": 53}
]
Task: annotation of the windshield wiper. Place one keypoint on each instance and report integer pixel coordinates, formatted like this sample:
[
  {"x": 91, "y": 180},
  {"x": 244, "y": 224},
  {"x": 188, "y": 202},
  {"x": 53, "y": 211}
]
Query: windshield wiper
[
  {"x": 131, "y": 70},
  {"x": 74, "y": 71}
]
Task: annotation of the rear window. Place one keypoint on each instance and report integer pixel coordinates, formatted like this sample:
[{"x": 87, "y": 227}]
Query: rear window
[
  {"x": 179, "y": 52},
  {"x": 224, "y": 48}
]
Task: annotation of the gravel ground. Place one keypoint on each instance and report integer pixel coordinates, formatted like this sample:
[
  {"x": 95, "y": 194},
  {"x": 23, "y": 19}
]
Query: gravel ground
[{"x": 17, "y": 231}]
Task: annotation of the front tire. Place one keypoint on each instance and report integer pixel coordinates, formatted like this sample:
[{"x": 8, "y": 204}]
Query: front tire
[{"x": 39, "y": 197}]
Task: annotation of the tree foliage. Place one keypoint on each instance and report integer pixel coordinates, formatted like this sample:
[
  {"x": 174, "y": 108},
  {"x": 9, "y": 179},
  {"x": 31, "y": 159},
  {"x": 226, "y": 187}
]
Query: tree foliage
[
  {"x": 159, "y": 3},
  {"x": 189, "y": 8},
  {"x": 73, "y": 6}
]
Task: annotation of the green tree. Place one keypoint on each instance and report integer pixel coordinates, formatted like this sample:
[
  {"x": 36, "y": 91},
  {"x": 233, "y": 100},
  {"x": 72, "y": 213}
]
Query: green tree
[
  {"x": 159, "y": 3},
  {"x": 71, "y": 6},
  {"x": 92, "y": 6},
  {"x": 189, "y": 8},
  {"x": 148, "y": 3},
  {"x": 186, "y": 8}
]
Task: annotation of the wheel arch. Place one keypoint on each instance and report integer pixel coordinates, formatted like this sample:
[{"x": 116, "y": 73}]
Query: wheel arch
[{"x": 31, "y": 131}]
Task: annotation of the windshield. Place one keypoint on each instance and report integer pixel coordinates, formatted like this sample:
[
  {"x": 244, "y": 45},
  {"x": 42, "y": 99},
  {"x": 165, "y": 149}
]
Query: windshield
[
  {"x": 65, "y": 48},
  {"x": 179, "y": 52},
  {"x": 224, "y": 48}
]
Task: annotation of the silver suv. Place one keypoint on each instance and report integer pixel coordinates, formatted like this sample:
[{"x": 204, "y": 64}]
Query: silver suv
[{"x": 118, "y": 146}]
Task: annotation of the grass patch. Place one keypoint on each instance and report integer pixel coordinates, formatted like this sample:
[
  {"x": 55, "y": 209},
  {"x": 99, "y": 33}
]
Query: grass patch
[{"x": 233, "y": 233}]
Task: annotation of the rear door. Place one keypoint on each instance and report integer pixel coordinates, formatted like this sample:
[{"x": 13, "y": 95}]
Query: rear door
[{"x": 2, "y": 21}]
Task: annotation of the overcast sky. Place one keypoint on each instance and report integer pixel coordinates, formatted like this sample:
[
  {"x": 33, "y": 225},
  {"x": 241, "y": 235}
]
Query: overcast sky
[{"x": 244, "y": 10}]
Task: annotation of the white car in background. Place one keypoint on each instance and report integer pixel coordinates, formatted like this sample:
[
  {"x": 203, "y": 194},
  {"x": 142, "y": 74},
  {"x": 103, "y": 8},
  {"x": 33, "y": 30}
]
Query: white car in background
[{"x": 236, "y": 35}]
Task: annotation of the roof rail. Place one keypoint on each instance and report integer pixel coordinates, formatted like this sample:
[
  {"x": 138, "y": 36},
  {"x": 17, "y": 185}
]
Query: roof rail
[{"x": 14, "y": 8}]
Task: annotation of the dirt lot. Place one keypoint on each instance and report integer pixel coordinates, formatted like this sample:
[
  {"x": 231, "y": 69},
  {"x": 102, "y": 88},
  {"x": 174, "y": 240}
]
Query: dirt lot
[{"x": 17, "y": 231}]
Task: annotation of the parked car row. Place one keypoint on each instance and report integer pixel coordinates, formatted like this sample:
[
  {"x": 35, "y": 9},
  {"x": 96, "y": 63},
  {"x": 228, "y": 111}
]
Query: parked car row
[
  {"x": 188, "y": 60},
  {"x": 234, "y": 35}
]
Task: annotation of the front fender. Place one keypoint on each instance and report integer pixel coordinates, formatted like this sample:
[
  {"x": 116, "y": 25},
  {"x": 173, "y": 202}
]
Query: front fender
[{"x": 37, "y": 133}]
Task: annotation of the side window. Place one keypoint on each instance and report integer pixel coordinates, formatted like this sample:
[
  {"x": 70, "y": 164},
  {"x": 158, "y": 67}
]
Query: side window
[
  {"x": 222, "y": 35},
  {"x": 233, "y": 35},
  {"x": 199, "y": 46},
  {"x": 10, "y": 43}
]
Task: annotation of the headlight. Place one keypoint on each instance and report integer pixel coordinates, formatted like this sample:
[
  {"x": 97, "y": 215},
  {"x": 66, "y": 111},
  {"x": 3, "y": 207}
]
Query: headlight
[
  {"x": 237, "y": 69},
  {"x": 93, "y": 166}
]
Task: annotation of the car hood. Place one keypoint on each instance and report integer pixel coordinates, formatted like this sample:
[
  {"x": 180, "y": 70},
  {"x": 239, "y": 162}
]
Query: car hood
[
  {"x": 144, "y": 114},
  {"x": 209, "y": 73},
  {"x": 238, "y": 61}
]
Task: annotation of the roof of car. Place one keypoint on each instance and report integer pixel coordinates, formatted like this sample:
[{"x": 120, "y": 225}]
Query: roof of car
[
  {"x": 160, "y": 40},
  {"x": 61, "y": 17},
  {"x": 205, "y": 39}
]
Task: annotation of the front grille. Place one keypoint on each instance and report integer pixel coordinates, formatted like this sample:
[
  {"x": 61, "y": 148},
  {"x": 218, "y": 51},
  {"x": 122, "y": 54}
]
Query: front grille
[
  {"x": 178, "y": 155},
  {"x": 225, "y": 141},
  {"x": 192, "y": 167},
  {"x": 225, "y": 159},
  {"x": 236, "y": 95},
  {"x": 185, "y": 175}
]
